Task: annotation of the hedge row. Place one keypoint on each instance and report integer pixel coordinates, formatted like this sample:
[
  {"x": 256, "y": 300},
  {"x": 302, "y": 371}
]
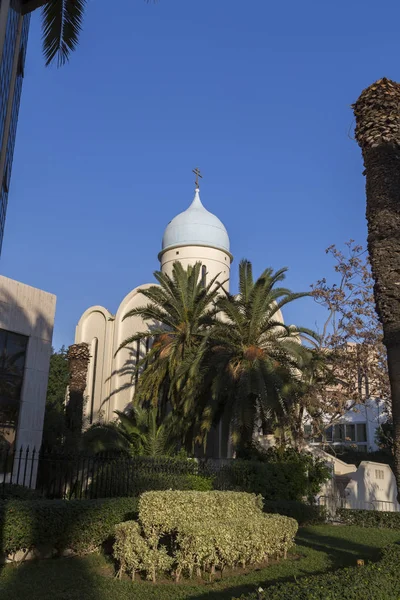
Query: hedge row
[
  {"x": 114, "y": 481},
  {"x": 183, "y": 531},
  {"x": 378, "y": 581},
  {"x": 304, "y": 514},
  {"x": 279, "y": 475},
  {"x": 369, "y": 518},
  {"x": 79, "y": 525}
]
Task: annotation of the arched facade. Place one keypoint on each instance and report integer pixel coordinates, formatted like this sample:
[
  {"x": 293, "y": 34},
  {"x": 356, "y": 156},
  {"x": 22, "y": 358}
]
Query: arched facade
[{"x": 195, "y": 235}]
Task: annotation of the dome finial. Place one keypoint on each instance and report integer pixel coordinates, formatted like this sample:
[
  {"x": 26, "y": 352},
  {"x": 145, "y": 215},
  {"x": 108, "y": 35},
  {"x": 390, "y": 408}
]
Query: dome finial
[{"x": 196, "y": 171}]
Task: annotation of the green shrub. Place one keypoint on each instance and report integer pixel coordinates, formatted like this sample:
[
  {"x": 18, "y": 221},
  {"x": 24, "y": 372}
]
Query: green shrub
[
  {"x": 304, "y": 514},
  {"x": 17, "y": 492},
  {"x": 135, "y": 553},
  {"x": 292, "y": 475},
  {"x": 81, "y": 525},
  {"x": 377, "y": 581},
  {"x": 139, "y": 474},
  {"x": 202, "y": 530},
  {"x": 369, "y": 518},
  {"x": 285, "y": 475}
]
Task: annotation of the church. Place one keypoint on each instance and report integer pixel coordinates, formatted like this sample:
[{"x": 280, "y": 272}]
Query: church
[{"x": 195, "y": 235}]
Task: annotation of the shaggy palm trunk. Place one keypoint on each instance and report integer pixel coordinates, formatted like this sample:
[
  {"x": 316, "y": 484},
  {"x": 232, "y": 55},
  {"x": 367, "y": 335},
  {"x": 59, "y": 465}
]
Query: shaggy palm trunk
[
  {"x": 377, "y": 113},
  {"x": 78, "y": 362}
]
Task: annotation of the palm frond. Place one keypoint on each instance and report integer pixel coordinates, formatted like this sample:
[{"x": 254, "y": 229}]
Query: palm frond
[{"x": 61, "y": 26}]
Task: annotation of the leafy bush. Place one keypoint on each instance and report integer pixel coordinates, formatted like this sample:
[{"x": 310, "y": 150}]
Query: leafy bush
[
  {"x": 117, "y": 477},
  {"x": 169, "y": 510},
  {"x": 17, "y": 492},
  {"x": 380, "y": 581},
  {"x": 202, "y": 530},
  {"x": 80, "y": 525},
  {"x": 135, "y": 553},
  {"x": 369, "y": 518},
  {"x": 304, "y": 514},
  {"x": 276, "y": 475},
  {"x": 117, "y": 484}
]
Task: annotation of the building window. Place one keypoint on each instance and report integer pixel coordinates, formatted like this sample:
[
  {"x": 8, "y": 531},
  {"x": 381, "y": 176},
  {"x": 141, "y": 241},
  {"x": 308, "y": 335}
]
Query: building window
[
  {"x": 379, "y": 474},
  {"x": 203, "y": 276},
  {"x": 21, "y": 62},
  {"x": 12, "y": 364},
  {"x": 361, "y": 432},
  {"x": 6, "y": 179},
  {"x": 344, "y": 434},
  {"x": 350, "y": 433}
]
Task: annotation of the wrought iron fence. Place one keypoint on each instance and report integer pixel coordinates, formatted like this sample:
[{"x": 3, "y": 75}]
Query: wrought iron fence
[{"x": 60, "y": 475}]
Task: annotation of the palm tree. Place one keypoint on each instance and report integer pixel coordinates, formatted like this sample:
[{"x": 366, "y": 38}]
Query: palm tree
[
  {"x": 136, "y": 432},
  {"x": 378, "y": 135},
  {"x": 61, "y": 26},
  {"x": 303, "y": 395},
  {"x": 253, "y": 353},
  {"x": 78, "y": 357},
  {"x": 179, "y": 314}
]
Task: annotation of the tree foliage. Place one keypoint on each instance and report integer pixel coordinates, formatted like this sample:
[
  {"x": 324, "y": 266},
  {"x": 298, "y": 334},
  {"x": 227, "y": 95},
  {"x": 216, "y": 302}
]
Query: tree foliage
[
  {"x": 253, "y": 353},
  {"x": 354, "y": 366},
  {"x": 54, "y": 427},
  {"x": 136, "y": 432}
]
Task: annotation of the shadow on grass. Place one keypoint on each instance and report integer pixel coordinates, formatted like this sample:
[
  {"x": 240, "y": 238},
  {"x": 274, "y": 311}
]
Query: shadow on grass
[
  {"x": 90, "y": 578},
  {"x": 342, "y": 552}
]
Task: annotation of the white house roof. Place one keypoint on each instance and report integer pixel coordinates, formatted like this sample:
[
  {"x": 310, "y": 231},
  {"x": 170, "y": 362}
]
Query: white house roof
[{"x": 196, "y": 226}]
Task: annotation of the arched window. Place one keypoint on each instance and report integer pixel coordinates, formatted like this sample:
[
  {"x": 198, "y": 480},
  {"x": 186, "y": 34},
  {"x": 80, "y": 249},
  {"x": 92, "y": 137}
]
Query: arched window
[{"x": 203, "y": 276}]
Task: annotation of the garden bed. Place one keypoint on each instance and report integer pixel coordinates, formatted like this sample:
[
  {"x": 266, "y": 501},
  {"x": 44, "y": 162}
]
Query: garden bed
[{"x": 321, "y": 549}]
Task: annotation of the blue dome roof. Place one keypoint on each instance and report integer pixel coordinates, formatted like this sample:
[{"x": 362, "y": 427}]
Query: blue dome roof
[{"x": 196, "y": 226}]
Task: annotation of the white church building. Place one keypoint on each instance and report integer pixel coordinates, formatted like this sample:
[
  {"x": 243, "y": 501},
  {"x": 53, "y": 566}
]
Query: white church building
[{"x": 195, "y": 235}]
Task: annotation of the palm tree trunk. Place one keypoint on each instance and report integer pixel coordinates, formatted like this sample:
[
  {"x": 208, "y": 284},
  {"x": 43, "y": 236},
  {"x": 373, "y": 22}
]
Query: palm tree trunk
[
  {"x": 378, "y": 134},
  {"x": 78, "y": 362}
]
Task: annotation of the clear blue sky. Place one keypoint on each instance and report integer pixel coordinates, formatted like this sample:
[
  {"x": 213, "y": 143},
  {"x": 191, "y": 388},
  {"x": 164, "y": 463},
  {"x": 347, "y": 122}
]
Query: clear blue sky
[{"x": 257, "y": 94}]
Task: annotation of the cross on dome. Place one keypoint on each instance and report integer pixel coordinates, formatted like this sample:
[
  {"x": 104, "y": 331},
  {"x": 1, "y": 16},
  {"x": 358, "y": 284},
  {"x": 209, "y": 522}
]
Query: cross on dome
[
  {"x": 196, "y": 171},
  {"x": 196, "y": 226}
]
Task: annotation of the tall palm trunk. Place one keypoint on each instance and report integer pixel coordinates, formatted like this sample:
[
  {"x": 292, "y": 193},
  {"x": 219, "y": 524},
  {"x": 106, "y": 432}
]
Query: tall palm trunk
[
  {"x": 78, "y": 361},
  {"x": 377, "y": 113}
]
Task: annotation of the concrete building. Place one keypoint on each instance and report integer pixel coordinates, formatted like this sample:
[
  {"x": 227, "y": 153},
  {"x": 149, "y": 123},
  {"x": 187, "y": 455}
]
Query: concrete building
[
  {"x": 14, "y": 29},
  {"x": 356, "y": 429},
  {"x": 26, "y": 330}
]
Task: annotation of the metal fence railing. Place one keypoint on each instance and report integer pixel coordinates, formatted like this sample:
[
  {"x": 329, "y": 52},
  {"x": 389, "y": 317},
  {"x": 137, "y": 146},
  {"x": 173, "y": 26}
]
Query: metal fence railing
[
  {"x": 60, "y": 475},
  {"x": 333, "y": 503}
]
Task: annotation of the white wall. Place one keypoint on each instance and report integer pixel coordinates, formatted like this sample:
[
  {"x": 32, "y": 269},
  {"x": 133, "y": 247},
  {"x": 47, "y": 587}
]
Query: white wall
[
  {"x": 372, "y": 487},
  {"x": 217, "y": 262},
  {"x": 110, "y": 371},
  {"x": 30, "y": 312},
  {"x": 96, "y": 328}
]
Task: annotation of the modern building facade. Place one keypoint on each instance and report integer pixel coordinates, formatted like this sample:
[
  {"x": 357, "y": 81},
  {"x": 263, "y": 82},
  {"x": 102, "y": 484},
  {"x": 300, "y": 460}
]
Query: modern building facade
[
  {"x": 356, "y": 429},
  {"x": 26, "y": 330},
  {"x": 14, "y": 29}
]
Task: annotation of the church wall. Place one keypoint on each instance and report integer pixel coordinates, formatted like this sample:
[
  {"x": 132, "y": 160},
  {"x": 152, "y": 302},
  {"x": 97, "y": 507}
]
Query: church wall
[
  {"x": 217, "y": 262},
  {"x": 125, "y": 359},
  {"x": 96, "y": 328}
]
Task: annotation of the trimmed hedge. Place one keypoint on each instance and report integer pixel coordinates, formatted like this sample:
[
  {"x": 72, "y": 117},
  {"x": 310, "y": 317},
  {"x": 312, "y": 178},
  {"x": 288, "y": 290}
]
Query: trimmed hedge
[
  {"x": 304, "y": 514},
  {"x": 114, "y": 481},
  {"x": 377, "y": 581},
  {"x": 169, "y": 510},
  {"x": 10, "y": 491},
  {"x": 184, "y": 531},
  {"x": 291, "y": 476},
  {"x": 369, "y": 518},
  {"x": 79, "y": 525}
]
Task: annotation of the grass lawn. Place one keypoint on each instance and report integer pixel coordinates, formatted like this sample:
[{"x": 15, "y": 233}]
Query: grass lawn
[{"x": 321, "y": 548}]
